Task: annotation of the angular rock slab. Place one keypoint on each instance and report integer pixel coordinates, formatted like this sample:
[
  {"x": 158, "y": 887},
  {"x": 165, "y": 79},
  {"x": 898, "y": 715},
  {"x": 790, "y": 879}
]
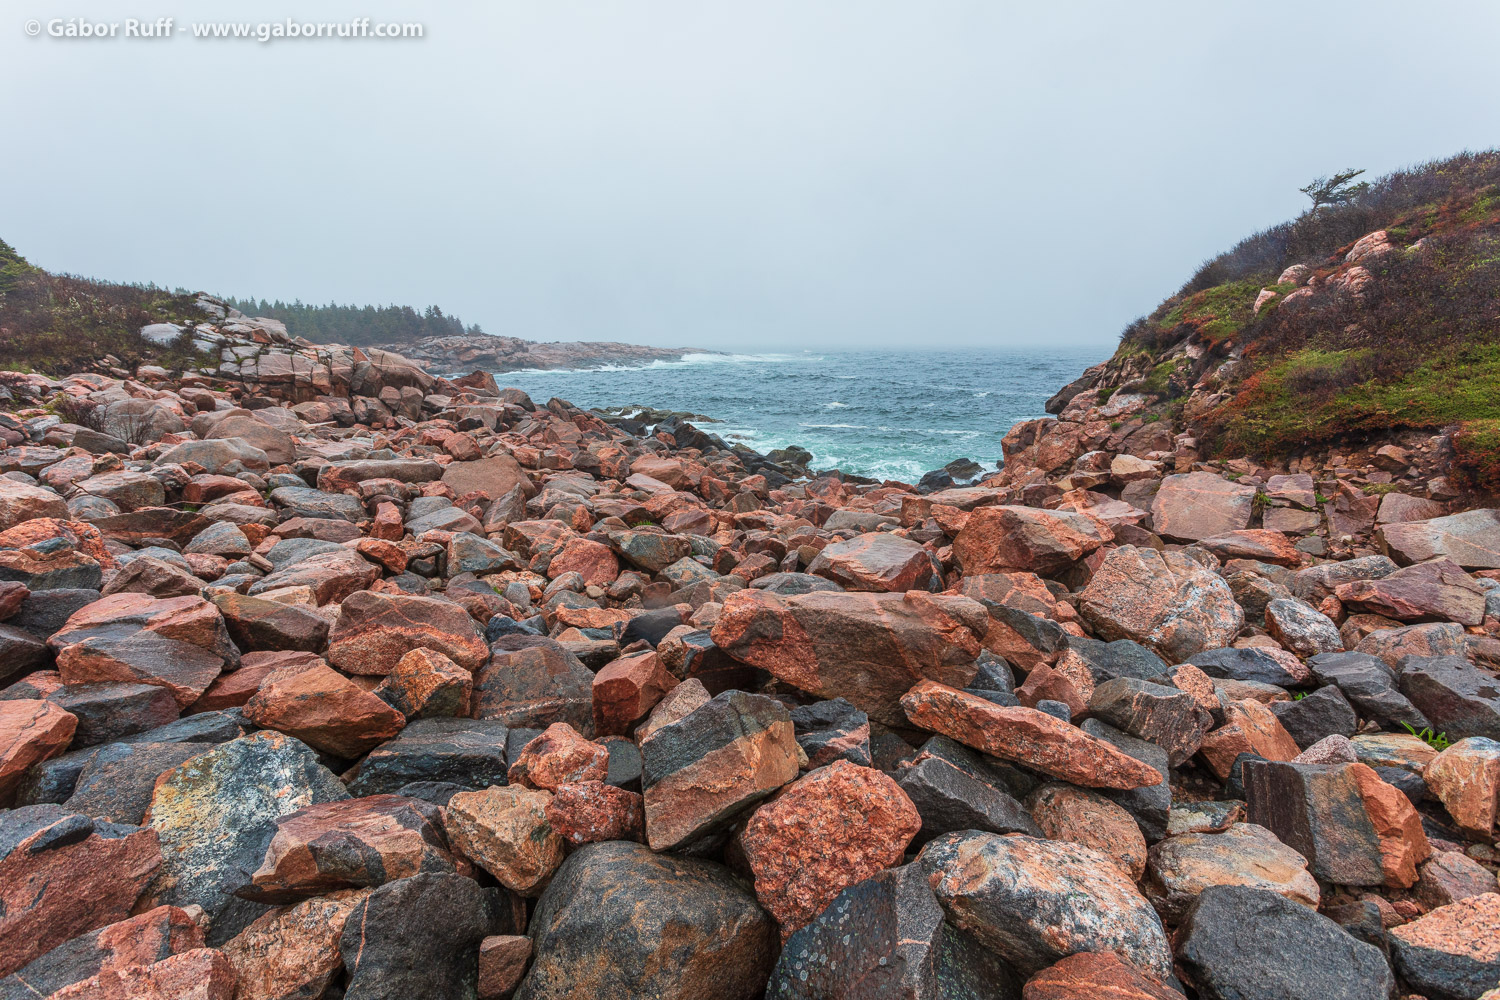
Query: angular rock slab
[
  {"x": 468, "y": 752},
  {"x": 1025, "y": 736},
  {"x": 1181, "y": 867},
  {"x": 62, "y": 875},
  {"x": 321, "y": 707},
  {"x": 1466, "y": 779},
  {"x": 349, "y": 844},
  {"x": 374, "y": 631},
  {"x": 1036, "y": 901},
  {"x": 1028, "y": 539},
  {"x": 879, "y": 562},
  {"x": 534, "y": 685},
  {"x": 1199, "y": 505},
  {"x": 1471, "y": 539},
  {"x": 1453, "y": 952},
  {"x": 1352, "y": 828},
  {"x": 293, "y": 951},
  {"x": 867, "y": 648},
  {"x": 700, "y": 771},
  {"x": 216, "y": 815},
  {"x": 31, "y": 731},
  {"x": 620, "y": 922},
  {"x": 836, "y": 826},
  {"x": 200, "y": 974},
  {"x": 1237, "y": 942},
  {"x": 1094, "y": 975},
  {"x": 139, "y": 940}
]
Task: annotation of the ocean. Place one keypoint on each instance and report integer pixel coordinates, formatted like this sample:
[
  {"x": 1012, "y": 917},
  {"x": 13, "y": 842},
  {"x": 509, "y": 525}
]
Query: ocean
[{"x": 883, "y": 414}]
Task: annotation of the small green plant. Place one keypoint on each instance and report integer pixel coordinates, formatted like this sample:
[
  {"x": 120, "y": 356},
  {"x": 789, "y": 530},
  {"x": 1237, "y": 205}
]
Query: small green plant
[
  {"x": 1380, "y": 489},
  {"x": 1114, "y": 425},
  {"x": 1299, "y": 696},
  {"x": 1438, "y": 742}
]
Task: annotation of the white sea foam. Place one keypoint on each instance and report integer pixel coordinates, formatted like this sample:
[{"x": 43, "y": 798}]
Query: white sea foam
[{"x": 835, "y": 406}]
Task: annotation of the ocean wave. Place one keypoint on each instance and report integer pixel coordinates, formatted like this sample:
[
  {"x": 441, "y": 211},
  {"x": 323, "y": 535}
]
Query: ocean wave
[
  {"x": 834, "y": 406},
  {"x": 693, "y": 360},
  {"x": 840, "y": 427}
]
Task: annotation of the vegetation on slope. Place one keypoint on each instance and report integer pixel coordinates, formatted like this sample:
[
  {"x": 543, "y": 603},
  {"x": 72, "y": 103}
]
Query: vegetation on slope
[
  {"x": 336, "y": 324},
  {"x": 1416, "y": 347}
]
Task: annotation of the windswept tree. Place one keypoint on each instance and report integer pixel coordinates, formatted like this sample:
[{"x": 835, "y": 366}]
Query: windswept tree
[{"x": 1339, "y": 189}]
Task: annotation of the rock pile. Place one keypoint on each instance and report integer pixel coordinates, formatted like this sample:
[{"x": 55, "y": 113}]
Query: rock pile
[{"x": 364, "y": 683}]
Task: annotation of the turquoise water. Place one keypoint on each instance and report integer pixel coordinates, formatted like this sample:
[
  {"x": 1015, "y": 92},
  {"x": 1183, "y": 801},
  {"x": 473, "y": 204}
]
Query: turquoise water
[{"x": 884, "y": 414}]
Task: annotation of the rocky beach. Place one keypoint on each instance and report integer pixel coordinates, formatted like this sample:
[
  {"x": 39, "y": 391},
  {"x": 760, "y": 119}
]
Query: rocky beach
[{"x": 325, "y": 676}]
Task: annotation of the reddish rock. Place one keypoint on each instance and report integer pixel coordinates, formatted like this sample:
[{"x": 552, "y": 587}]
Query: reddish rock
[
  {"x": 324, "y": 709},
  {"x": 1026, "y": 539},
  {"x": 12, "y": 596},
  {"x": 626, "y": 690},
  {"x": 200, "y": 974},
  {"x": 20, "y": 502},
  {"x": 424, "y": 683},
  {"x": 388, "y": 554},
  {"x": 332, "y": 576},
  {"x": 534, "y": 686},
  {"x": 1466, "y": 779},
  {"x": 139, "y": 940},
  {"x": 375, "y": 630},
  {"x": 595, "y": 561},
  {"x": 1182, "y": 866},
  {"x": 31, "y": 731},
  {"x": 502, "y": 963},
  {"x": 836, "y": 826},
  {"x": 1471, "y": 539},
  {"x": 557, "y": 757},
  {"x": 586, "y": 812},
  {"x": 867, "y": 648},
  {"x": 1449, "y": 876},
  {"x": 62, "y": 877},
  {"x": 670, "y": 471},
  {"x": 1258, "y": 544},
  {"x": 1437, "y": 589},
  {"x": 292, "y": 951},
  {"x": 675, "y": 704},
  {"x": 1452, "y": 952},
  {"x": 1080, "y": 816},
  {"x": 179, "y": 643},
  {"x": 47, "y": 554},
  {"x": 1200, "y": 505},
  {"x": 351, "y": 844},
  {"x": 698, "y": 773},
  {"x": 233, "y": 690},
  {"x": 1249, "y": 727},
  {"x": 1095, "y": 975},
  {"x": 1160, "y": 599},
  {"x": 257, "y": 624},
  {"x": 387, "y": 523},
  {"x": 878, "y": 561},
  {"x": 1035, "y": 739},
  {"x": 505, "y": 831}
]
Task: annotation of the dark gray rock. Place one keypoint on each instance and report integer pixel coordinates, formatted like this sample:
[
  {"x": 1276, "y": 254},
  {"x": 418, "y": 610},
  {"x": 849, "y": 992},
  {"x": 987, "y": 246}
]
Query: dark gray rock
[
  {"x": 1120, "y": 658},
  {"x": 107, "y": 712},
  {"x": 792, "y": 584},
  {"x": 1238, "y": 943},
  {"x": 469, "y": 752},
  {"x": 1244, "y": 665},
  {"x": 1324, "y": 712},
  {"x": 44, "y": 611},
  {"x": 947, "y": 799},
  {"x": 1457, "y": 697},
  {"x": 832, "y": 730},
  {"x": 1148, "y": 805},
  {"x": 1370, "y": 687},
  {"x": 116, "y": 783}
]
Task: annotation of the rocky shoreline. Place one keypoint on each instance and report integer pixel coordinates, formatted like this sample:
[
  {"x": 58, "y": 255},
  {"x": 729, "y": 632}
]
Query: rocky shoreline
[
  {"x": 324, "y": 676},
  {"x": 509, "y": 354}
]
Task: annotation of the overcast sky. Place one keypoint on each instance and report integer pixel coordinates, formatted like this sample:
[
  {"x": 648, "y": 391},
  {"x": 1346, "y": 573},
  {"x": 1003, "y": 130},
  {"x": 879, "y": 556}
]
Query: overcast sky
[{"x": 755, "y": 175}]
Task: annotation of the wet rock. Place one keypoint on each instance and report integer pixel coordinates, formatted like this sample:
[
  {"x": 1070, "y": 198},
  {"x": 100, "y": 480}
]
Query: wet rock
[
  {"x": 1451, "y": 953},
  {"x": 1162, "y": 715},
  {"x": 626, "y": 690},
  {"x": 866, "y": 648},
  {"x": 140, "y": 940},
  {"x": 534, "y": 684},
  {"x": 375, "y": 630},
  {"x": 31, "y": 731},
  {"x": 1162, "y": 600},
  {"x": 586, "y": 812},
  {"x": 718, "y": 760},
  {"x": 419, "y": 937},
  {"x": 1296, "y": 952},
  {"x": 1430, "y": 590},
  {"x": 216, "y": 814},
  {"x": 324, "y": 709},
  {"x": 1028, "y": 539},
  {"x": 425, "y": 684},
  {"x": 505, "y": 830},
  {"x": 1352, "y": 828},
  {"x": 467, "y": 752},
  {"x": 1025, "y": 736},
  {"x": 1456, "y": 697},
  {"x": 1036, "y": 901},
  {"x": 948, "y": 798},
  {"x": 1323, "y": 713},
  {"x": 1466, "y": 779},
  {"x": 877, "y": 561},
  {"x": 1245, "y": 854},
  {"x": 834, "y": 827},
  {"x": 349, "y": 844},
  {"x": 831, "y": 730},
  {"x": 1200, "y": 505},
  {"x": 614, "y": 909},
  {"x": 292, "y": 952},
  {"x": 179, "y": 643},
  {"x": 109, "y": 712},
  {"x": 62, "y": 875}
]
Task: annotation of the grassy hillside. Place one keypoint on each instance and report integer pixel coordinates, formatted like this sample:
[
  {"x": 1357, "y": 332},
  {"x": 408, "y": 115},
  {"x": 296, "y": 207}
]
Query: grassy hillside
[{"x": 1414, "y": 344}]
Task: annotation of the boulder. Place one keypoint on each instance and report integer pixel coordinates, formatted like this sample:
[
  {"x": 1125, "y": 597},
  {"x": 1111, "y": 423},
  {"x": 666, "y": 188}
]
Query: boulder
[
  {"x": 20, "y": 502},
  {"x": 1166, "y": 716},
  {"x": 1036, "y": 901},
  {"x": 292, "y": 952},
  {"x": 1091, "y": 974},
  {"x": 836, "y": 826},
  {"x": 139, "y": 940},
  {"x": 257, "y": 624},
  {"x": 534, "y": 684},
  {"x": 1163, "y": 600},
  {"x": 1426, "y": 591},
  {"x": 1200, "y": 505},
  {"x": 878, "y": 561},
  {"x": 1028, "y": 539},
  {"x": 557, "y": 757},
  {"x": 31, "y": 731},
  {"x": 323, "y": 708},
  {"x": 467, "y": 752},
  {"x": 626, "y": 690},
  {"x": 1457, "y": 697},
  {"x": 949, "y": 798},
  {"x": 200, "y": 974},
  {"x": 1181, "y": 867},
  {"x": 1302, "y": 628},
  {"x": 1026, "y": 736},
  {"x": 375, "y": 630},
  {"x": 620, "y": 922},
  {"x": 866, "y": 648},
  {"x": 424, "y": 683},
  {"x": 1465, "y": 777},
  {"x": 1238, "y": 942},
  {"x": 505, "y": 831},
  {"x": 1471, "y": 539},
  {"x": 116, "y": 783},
  {"x": 331, "y": 576},
  {"x": 1453, "y": 952},
  {"x": 586, "y": 812}
]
